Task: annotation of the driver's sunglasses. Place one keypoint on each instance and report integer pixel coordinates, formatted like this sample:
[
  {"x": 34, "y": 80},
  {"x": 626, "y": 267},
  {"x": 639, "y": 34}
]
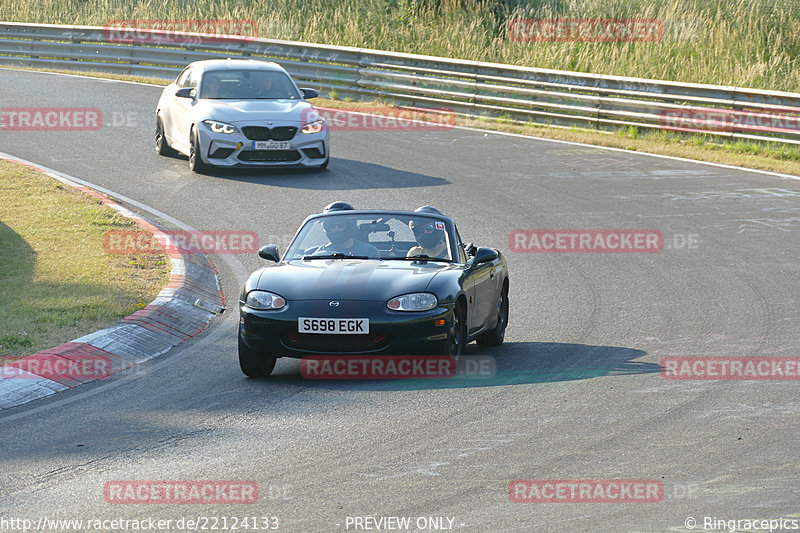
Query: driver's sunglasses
[
  {"x": 336, "y": 226},
  {"x": 428, "y": 228}
]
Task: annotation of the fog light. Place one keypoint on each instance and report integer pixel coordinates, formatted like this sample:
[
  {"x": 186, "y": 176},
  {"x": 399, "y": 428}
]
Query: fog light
[{"x": 439, "y": 322}]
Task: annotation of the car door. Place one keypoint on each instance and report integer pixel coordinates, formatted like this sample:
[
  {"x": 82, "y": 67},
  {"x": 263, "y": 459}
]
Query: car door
[
  {"x": 168, "y": 102},
  {"x": 182, "y": 111},
  {"x": 485, "y": 279},
  {"x": 472, "y": 283}
]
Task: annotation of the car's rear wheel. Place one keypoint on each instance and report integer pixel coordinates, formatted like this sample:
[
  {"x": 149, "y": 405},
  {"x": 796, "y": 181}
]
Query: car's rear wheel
[
  {"x": 162, "y": 146},
  {"x": 254, "y": 364},
  {"x": 196, "y": 163},
  {"x": 456, "y": 333},
  {"x": 496, "y": 336}
]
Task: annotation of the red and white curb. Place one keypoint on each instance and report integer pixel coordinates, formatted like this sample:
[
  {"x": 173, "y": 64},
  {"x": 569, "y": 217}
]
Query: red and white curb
[{"x": 180, "y": 311}]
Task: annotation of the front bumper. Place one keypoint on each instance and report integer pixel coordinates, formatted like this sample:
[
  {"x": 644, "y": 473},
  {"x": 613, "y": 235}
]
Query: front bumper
[
  {"x": 390, "y": 332},
  {"x": 236, "y": 150}
]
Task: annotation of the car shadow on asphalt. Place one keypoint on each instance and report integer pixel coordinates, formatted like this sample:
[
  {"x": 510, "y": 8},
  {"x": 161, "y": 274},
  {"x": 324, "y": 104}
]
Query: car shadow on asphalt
[
  {"x": 514, "y": 363},
  {"x": 341, "y": 174}
]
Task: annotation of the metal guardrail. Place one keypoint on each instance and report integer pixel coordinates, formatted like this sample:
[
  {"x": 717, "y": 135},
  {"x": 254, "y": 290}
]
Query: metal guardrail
[{"x": 467, "y": 88}]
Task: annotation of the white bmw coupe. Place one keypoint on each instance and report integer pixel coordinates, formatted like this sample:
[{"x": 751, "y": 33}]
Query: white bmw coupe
[{"x": 240, "y": 113}]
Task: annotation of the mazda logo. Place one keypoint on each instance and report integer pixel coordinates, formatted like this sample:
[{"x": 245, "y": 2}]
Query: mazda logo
[{"x": 334, "y": 303}]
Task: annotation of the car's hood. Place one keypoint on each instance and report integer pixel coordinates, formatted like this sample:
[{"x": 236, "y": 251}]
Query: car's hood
[
  {"x": 342, "y": 279},
  {"x": 234, "y": 111}
]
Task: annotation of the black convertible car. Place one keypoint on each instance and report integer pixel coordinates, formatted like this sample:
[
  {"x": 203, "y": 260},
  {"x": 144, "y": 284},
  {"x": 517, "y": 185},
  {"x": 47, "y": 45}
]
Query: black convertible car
[{"x": 372, "y": 282}]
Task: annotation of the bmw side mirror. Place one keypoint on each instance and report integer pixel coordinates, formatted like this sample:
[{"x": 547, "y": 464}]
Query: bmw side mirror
[
  {"x": 269, "y": 252},
  {"x": 309, "y": 93},
  {"x": 186, "y": 92},
  {"x": 485, "y": 255}
]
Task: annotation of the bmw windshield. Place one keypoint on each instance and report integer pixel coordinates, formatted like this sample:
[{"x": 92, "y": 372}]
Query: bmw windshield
[
  {"x": 369, "y": 237},
  {"x": 247, "y": 84}
]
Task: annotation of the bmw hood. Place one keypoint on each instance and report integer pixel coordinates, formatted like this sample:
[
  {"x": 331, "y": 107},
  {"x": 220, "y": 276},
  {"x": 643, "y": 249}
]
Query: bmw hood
[
  {"x": 233, "y": 111},
  {"x": 342, "y": 279}
]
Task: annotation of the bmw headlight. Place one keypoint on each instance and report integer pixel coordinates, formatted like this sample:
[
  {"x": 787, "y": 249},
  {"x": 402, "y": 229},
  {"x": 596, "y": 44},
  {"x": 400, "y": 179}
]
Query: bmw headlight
[
  {"x": 264, "y": 300},
  {"x": 418, "y": 301},
  {"x": 314, "y": 127},
  {"x": 220, "y": 127}
]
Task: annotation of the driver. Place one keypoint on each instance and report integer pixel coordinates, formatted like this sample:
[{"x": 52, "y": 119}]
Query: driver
[
  {"x": 263, "y": 85},
  {"x": 430, "y": 236},
  {"x": 341, "y": 232},
  {"x": 212, "y": 87}
]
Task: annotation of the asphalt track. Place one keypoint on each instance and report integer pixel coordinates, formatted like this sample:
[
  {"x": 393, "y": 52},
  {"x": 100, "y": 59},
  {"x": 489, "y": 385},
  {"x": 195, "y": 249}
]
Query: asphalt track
[{"x": 577, "y": 393}]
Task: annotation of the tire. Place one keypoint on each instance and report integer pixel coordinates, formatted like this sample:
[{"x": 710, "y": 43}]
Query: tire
[
  {"x": 254, "y": 364},
  {"x": 496, "y": 336},
  {"x": 195, "y": 161},
  {"x": 162, "y": 146},
  {"x": 456, "y": 333}
]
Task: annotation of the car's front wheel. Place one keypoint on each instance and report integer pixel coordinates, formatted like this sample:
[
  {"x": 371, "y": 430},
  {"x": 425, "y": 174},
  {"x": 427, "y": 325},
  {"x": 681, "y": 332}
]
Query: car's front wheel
[
  {"x": 254, "y": 364},
  {"x": 496, "y": 336},
  {"x": 456, "y": 333},
  {"x": 162, "y": 146},
  {"x": 196, "y": 163}
]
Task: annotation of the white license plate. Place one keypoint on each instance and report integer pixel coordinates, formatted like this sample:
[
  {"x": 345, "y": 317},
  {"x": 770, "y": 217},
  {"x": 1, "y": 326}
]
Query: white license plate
[
  {"x": 270, "y": 145},
  {"x": 336, "y": 326}
]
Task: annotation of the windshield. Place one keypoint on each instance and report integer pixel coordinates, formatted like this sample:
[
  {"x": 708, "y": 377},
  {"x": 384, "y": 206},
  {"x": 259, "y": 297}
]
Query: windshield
[
  {"x": 372, "y": 237},
  {"x": 247, "y": 85}
]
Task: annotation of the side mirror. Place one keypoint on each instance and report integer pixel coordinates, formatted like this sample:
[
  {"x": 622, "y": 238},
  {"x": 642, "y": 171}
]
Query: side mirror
[
  {"x": 269, "y": 252},
  {"x": 485, "y": 255},
  {"x": 309, "y": 93},
  {"x": 186, "y": 92}
]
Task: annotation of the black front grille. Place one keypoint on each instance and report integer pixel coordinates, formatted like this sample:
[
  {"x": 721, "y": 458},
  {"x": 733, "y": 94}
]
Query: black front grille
[
  {"x": 221, "y": 153},
  {"x": 262, "y": 133},
  {"x": 313, "y": 153},
  {"x": 269, "y": 155},
  {"x": 342, "y": 344}
]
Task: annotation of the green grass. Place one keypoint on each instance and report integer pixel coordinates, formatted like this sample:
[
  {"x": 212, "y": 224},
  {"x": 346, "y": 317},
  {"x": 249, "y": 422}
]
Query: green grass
[
  {"x": 746, "y": 43},
  {"x": 56, "y": 280}
]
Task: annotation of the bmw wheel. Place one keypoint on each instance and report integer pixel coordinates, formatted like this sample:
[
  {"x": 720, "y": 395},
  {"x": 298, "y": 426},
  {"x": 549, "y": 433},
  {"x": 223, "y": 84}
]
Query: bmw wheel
[
  {"x": 196, "y": 163},
  {"x": 162, "y": 146}
]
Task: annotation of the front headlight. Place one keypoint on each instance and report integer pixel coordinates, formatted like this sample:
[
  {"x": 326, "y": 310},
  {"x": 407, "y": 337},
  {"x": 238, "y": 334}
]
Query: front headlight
[
  {"x": 418, "y": 301},
  {"x": 264, "y": 300},
  {"x": 220, "y": 127},
  {"x": 314, "y": 127}
]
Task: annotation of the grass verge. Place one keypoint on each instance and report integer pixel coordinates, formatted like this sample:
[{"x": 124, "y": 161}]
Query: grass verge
[
  {"x": 57, "y": 282},
  {"x": 745, "y": 43}
]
